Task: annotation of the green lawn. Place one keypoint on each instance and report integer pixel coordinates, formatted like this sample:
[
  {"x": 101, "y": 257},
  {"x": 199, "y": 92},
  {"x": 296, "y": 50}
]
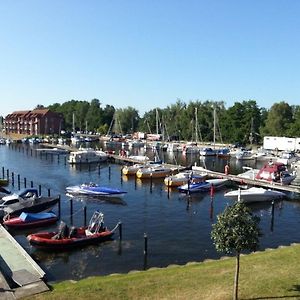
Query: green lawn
[{"x": 272, "y": 274}]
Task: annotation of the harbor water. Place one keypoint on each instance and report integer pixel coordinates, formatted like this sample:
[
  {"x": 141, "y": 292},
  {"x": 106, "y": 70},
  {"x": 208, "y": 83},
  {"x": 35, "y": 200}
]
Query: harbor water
[{"x": 177, "y": 226}]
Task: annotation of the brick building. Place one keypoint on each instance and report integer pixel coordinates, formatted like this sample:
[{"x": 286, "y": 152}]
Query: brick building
[{"x": 33, "y": 122}]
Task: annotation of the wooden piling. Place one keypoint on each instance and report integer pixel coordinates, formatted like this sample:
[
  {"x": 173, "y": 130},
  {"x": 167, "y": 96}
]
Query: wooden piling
[
  {"x": 31, "y": 184},
  {"x": 120, "y": 231},
  {"x": 84, "y": 214},
  {"x": 25, "y": 182},
  {"x": 49, "y": 193},
  {"x": 19, "y": 182},
  {"x": 145, "y": 244}
]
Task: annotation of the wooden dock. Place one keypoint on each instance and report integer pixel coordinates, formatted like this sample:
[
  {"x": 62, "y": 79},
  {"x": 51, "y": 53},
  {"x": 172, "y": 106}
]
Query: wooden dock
[
  {"x": 129, "y": 160},
  {"x": 254, "y": 182},
  {"x": 20, "y": 275}
]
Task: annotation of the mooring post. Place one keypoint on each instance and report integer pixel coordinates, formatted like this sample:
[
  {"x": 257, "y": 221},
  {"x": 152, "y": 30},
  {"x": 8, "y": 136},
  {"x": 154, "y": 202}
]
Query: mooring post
[
  {"x": 189, "y": 183},
  {"x": 99, "y": 169},
  {"x": 145, "y": 244},
  {"x": 40, "y": 190},
  {"x": 120, "y": 231},
  {"x": 84, "y": 213},
  {"x": 65, "y": 159},
  {"x": 7, "y": 173},
  {"x": 12, "y": 179},
  {"x": 19, "y": 182},
  {"x": 3, "y": 172},
  {"x": 31, "y": 184},
  {"x": 135, "y": 181},
  {"x": 168, "y": 188},
  {"x": 121, "y": 176},
  {"x": 49, "y": 193},
  {"x": 272, "y": 215},
  {"x": 151, "y": 182},
  {"x": 109, "y": 172},
  {"x": 25, "y": 182}
]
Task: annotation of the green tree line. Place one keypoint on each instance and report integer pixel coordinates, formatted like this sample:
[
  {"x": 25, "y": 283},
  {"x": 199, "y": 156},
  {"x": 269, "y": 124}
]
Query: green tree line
[{"x": 243, "y": 122}]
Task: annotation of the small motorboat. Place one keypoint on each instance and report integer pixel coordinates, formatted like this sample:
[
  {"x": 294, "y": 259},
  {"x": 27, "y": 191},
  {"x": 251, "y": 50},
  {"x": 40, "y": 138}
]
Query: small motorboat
[
  {"x": 131, "y": 170},
  {"x": 93, "y": 189},
  {"x": 255, "y": 194},
  {"x": 66, "y": 239},
  {"x": 26, "y": 200},
  {"x": 196, "y": 187},
  {"x": 157, "y": 171},
  {"x": 275, "y": 172},
  {"x": 28, "y": 220},
  {"x": 3, "y": 182},
  {"x": 183, "y": 177}
]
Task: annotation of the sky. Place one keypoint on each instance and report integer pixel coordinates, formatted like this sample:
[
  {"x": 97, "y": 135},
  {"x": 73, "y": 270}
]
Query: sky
[{"x": 148, "y": 53}]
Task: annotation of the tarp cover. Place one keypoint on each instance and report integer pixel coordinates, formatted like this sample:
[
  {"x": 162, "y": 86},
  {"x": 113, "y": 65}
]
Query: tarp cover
[{"x": 36, "y": 216}]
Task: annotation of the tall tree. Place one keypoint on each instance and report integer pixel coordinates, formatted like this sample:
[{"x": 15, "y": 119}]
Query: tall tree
[
  {"x": 279, "y": 119},
  {"x": 236, "y": 230}
]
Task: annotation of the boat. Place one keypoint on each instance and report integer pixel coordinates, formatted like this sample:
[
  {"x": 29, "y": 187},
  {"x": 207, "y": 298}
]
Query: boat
[
  {"x": 67, "y": 239},
  {"x": 4, "y": 182},
  {"x": 183, "y": 177},
  {"x": 87, "y": 155},
  {"x": 207, "y": 151},
  {"x": 275, "y": 172},
  {"x": 288, "y": 157},
  {"x": 29, "y": 220},
  {"x": 54, "y": 150},
  {"x": 245, "y": 155},
  {"x": 93, "y": 189},
  {"x": 223, "y": 152},
  {"x": 254, "y": 194},
  {"x": 195, "y": 187},
  {"x": 26, "y": 200},
  {"x": 131, "y": 170},
  {"x": 158, "y": 171}
]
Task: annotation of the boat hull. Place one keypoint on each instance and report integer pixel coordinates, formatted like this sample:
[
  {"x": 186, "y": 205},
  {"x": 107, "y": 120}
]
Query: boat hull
[
  {"x": 19, "y": 223},
  {"x": 44, "y": 240},
  {"x": 255, "y": 195}
]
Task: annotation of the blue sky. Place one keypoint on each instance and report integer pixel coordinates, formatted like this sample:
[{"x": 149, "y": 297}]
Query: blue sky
[{"x": 148, "y": 54}]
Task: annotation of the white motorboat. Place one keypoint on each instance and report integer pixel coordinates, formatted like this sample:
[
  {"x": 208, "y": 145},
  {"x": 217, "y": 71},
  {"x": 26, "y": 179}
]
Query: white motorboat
[
  {"x": 183, "y": 177},
  {"x": 254, "y": 194},
  {"x": 87, "y": 156},
  {"x": 158, "y": 171},
  {"x": 245, "y": 155},
  {"x": 288, "y": 157}
]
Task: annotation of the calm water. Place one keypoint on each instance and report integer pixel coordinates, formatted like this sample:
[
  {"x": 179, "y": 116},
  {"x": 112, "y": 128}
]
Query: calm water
[{"x": 178, "y": 229}]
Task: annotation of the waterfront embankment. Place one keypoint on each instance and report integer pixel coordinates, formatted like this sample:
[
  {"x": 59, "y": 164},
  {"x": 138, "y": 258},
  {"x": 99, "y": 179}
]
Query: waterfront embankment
[{"x": 271, "y": 274}]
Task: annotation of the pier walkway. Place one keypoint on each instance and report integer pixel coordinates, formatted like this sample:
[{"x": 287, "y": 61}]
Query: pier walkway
[
  {"x": 20, "y": 275},
  {"x": 255, "y": 182}
]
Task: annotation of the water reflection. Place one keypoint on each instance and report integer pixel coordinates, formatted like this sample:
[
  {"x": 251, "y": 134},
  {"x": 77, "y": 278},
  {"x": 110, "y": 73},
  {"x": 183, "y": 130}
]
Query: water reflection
[{"x": 177, "y": 225}]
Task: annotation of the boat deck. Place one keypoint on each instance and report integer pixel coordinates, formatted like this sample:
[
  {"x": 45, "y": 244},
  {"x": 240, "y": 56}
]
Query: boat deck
[{"x": 20, "y": 275}]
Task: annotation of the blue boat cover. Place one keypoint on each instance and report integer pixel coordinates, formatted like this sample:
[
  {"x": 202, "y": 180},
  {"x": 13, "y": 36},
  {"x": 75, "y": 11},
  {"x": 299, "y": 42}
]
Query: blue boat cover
[{"x": 27, "y": 217}]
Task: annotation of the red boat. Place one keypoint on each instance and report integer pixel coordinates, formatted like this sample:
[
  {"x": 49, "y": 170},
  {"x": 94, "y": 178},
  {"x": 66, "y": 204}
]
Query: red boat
[
  {"x": 65, "y": 239},
  {"x": 28, "y": 220},
  {"x": 276, "y": 172}
]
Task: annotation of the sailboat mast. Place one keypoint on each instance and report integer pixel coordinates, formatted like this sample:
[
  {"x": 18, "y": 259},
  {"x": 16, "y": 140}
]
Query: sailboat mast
[
  {"x": 196, "y": 125},
  {"x": 214, "y": 126},
  {"x": 73, "y": 123}
]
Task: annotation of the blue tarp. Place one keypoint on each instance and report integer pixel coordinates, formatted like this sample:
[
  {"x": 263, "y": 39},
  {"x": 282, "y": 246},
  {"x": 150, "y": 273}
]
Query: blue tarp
[{"x": 36, "y": 216}]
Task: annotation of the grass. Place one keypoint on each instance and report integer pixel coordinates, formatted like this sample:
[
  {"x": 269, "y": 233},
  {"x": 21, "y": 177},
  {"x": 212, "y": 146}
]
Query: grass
[{"x": 272, "y": 274}]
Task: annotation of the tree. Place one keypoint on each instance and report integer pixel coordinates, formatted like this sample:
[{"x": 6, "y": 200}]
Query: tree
[
  {"x": 236, "y": 230},
  {"x": 279, "y": 119}
]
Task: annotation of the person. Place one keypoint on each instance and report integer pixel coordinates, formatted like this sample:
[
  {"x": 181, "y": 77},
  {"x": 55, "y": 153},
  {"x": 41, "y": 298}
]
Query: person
[{"x": 63, "y": 231}]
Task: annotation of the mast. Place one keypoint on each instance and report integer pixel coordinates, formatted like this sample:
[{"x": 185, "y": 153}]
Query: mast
[
  {"x": 214, "y": 126},
  {"x": 73, "y": 123},
  {"x": 196, "y": 125},
  {"x": 157, "y": 130}
]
